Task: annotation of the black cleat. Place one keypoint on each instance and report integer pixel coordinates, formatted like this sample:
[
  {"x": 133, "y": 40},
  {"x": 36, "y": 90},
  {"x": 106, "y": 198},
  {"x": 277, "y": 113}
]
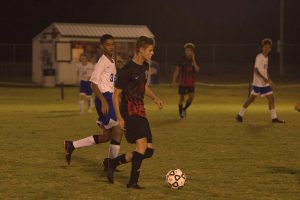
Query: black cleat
[
  {"x": 105, "y": 164},
  {"x": 69, "y": 148},
  {"x": 276, "y": 120},
  {"x": 239, "y": 118},
  {"x": 110, "y": 172},
  {"x": 182, "y": 114},
  {"x": 134, "y": 186}
]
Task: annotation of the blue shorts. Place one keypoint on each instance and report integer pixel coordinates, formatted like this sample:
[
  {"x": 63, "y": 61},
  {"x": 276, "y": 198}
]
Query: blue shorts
[
  {"x": 85, "y": 88},
  {"x": 109, "y": 120},
  {"x": 262, "y": 91}
]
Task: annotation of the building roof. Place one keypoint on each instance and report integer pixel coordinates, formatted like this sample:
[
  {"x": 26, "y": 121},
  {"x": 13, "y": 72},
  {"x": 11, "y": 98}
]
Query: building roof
[{"x": 97, "y": 30}]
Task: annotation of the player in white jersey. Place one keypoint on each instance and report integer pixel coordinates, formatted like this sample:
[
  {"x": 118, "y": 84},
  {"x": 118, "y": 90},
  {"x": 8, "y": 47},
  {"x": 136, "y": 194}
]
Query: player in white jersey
[
  {"x": 102, "y": 83},
  {"x": 84, "y": 71},
  {"x": 262, "y": 83}
]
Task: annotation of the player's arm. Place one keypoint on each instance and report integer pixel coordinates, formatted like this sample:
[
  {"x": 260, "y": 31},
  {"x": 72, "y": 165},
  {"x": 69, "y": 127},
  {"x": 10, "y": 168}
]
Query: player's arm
[
  {"x": 266, "y": 79},
  {"x": 152, "y": 96},
  {"x": 270, "y": 81},
  {"x": 116, "y": 102},
  {"x": 104, "y": 104},
  {"x": 194, "y": 63},
  {"x": 98, "y": 71},
  {"x": 175, "y": 76}
]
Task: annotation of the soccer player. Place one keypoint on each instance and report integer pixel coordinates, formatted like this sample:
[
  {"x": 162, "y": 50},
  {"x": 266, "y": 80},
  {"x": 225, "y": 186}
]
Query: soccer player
[
  {"x": 186, "y": 71},
  {"x": 262, "y": 83},
  {"x": 102, "y": 83},
  {"x": 131, "y": 84},
  {"x": 84, "y": 71}
]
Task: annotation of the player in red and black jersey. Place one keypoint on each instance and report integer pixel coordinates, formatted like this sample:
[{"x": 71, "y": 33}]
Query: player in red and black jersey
[
  {"x": 185, "y": 74},
  {"x": 131, "y": 84}
]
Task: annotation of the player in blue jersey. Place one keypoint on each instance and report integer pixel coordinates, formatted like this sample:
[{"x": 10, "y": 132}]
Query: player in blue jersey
[{"x": 102, "y": 84}]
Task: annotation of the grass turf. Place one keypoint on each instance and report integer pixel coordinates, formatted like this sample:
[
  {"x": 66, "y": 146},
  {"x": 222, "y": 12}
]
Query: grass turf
[{"x": 221, "y": 158}]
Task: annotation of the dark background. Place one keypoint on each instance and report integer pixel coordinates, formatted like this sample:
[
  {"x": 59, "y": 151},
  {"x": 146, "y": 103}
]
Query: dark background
[{"x": 202, "y": 21}]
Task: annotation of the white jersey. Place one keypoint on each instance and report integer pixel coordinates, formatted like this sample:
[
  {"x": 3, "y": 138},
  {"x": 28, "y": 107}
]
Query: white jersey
[
  {"x": 85, "y": 71},
  {"x": 261, "y": 64},
  {"x": 104, "y": 74}
]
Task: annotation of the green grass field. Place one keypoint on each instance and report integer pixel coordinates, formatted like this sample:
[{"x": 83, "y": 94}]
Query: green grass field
[{"x": 221, "y": 158}]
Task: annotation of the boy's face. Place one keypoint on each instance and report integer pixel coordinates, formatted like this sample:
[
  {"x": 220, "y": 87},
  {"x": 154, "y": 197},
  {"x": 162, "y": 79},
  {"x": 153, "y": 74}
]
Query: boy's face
[
  {"x": 147, "y": 52},
  {"x": 83, "y": 59},
  {"x": 108, "y": 47},
  {"x": 266, "y": 49},
  {"x": 188, "y": 52}
]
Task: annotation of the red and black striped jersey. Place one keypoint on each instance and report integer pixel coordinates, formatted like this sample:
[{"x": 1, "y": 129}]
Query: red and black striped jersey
[
  {"x": 187, "y": 72},
  {"x": 132, "y": 79}
]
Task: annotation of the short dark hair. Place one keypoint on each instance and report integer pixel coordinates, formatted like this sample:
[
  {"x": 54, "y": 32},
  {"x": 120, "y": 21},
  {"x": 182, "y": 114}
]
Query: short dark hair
[
  {"x": 105, "y": 37},
  {"x": 143, "y": 42}
]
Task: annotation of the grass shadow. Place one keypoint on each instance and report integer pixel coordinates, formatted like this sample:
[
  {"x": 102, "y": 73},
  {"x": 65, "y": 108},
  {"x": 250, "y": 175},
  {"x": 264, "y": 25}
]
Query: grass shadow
[{"x": 285, "y": 170}]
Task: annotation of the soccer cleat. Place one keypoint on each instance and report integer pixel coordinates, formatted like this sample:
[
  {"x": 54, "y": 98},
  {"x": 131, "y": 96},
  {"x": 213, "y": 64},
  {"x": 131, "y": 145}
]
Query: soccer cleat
[
  {"x": 105, "y": 164},
  {"x": 239, "y": 118},
  {"x": 134, "y": 186},
  {"x": 69, "y": 148},
  {"x": 276, "y": 120},
  {"x": 182, "y": 114},
  {"x": 110, "y": 172}
]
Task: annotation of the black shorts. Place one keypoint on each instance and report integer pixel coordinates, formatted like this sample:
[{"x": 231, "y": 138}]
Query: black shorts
[
  {"x": 182, "y": 90},
  {"x": 137, "y": 127}
]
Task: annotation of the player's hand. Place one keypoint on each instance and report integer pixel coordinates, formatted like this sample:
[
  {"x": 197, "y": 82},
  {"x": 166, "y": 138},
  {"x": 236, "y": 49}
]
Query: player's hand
[
  {"x": 159, "y": 103},
  {"x": 104, "y": 106},
  {"x": 271, "y": 82},
  {"x": 121, "y": 123}
]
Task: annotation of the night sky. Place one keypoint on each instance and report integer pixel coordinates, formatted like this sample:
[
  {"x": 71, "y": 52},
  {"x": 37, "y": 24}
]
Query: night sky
[{"x": 199, "y": 21}]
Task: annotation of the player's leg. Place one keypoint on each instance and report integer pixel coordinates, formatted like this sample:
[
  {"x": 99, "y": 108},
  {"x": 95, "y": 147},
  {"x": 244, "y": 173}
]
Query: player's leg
[
  {"x": 271, "y": 103},
  {"x": 81, "y": 102},
  {"x": 248, "y": 102},
  {"x": 114, "y": 146},
  {"x": 89, "y": 93},
  {"x": 191, "y": 95},
  {"x": 181, "y": 92},
  {"x": 82, "y": 88},
  {"x": 89, "y": 102},
  {"x": 70, "y": 146}
]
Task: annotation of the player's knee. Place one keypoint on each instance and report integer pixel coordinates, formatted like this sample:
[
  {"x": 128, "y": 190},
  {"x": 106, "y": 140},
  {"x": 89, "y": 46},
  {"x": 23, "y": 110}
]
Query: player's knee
[
  {"x": 149, "y": 153},
  {"x": 115, "y": 142},
  {"x": 96, "y": 138}
]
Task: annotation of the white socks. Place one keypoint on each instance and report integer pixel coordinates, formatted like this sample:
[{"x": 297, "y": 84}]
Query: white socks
[
  {"x": 113, "y": 151},
  {"x": 85, "y": 142},
  {"x": 273, "y": 114},
  {"x": 81, "y": 106},
  {"x": 242, "y": 111}
]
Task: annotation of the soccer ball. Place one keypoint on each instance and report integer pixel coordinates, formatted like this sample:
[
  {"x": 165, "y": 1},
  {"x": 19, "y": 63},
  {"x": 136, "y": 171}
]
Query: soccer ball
[{"x": 175, "y": 179}]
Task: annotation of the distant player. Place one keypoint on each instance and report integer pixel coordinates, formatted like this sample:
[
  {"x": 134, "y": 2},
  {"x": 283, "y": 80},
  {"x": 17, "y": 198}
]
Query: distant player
[
  {"x": 297, "y": 106},
  {"x": 84, "y": 71},
  {"x": 262, "y": 83},
  {"x": 102, "y": 81},
  {"x": 131, "y": 84},
  {"x": 186, "y": 72},
  {"x": 94, "y": 60}
]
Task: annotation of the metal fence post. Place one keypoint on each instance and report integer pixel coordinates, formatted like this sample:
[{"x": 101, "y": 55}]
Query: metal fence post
[{"x": 213, "y": 58}]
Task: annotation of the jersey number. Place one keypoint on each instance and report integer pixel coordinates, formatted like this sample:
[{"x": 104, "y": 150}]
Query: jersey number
[{"x": 112, "y": 78}]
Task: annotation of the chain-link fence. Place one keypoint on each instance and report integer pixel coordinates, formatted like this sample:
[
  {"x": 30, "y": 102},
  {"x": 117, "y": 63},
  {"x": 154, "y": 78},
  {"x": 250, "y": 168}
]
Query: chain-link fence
[
  {"x": 15, "y": 61},
  {"x": 228, "y": 62}
]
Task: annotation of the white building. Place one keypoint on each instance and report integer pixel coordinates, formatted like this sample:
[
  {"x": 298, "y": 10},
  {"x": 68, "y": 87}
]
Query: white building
[{"x": 57, "y": 48}]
